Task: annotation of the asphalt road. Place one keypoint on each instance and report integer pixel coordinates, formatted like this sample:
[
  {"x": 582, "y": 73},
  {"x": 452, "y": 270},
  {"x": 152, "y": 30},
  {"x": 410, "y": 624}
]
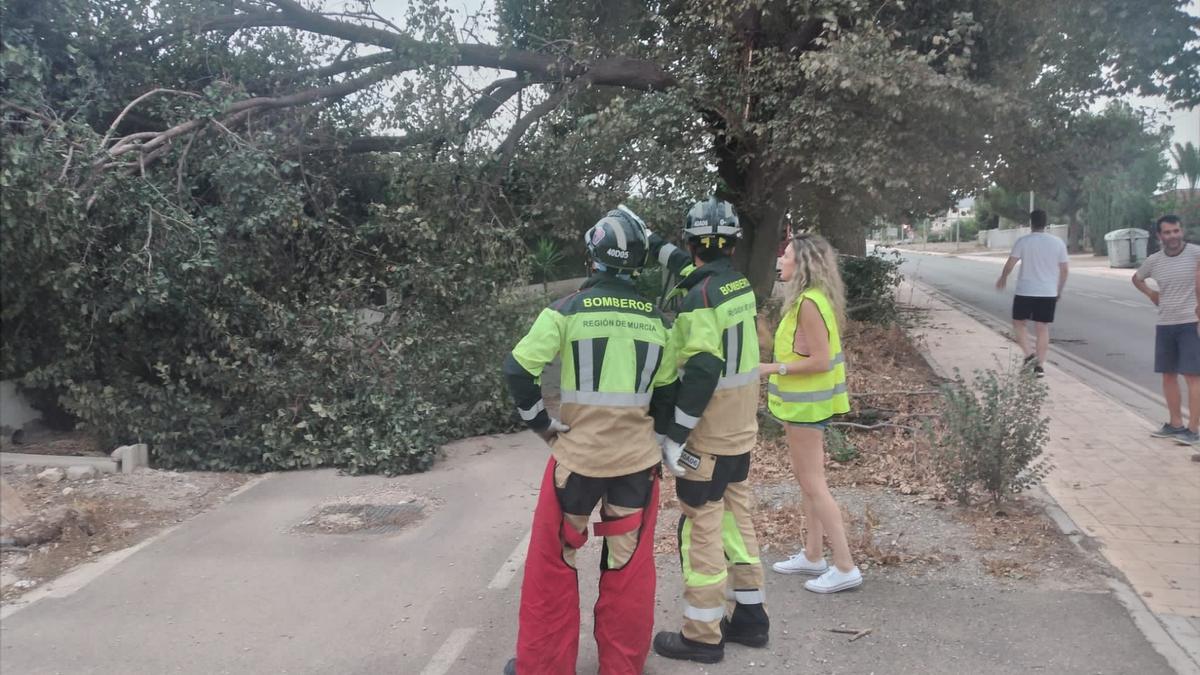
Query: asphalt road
[
  {"x": 238, "y": 591},
  {"x": 1103, "y": 330}
]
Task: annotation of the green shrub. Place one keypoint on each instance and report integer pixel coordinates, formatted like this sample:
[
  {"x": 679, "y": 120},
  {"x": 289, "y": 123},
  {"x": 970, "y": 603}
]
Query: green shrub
[
  {"x": 545, "y": 259},
  {"x": 257, "y": 306},
  {"x": 968, "y": 229},
  {"x": 871, "y": 283},
  {"x": 839, "y": 446},
  {"x": 993, "y": 434}
]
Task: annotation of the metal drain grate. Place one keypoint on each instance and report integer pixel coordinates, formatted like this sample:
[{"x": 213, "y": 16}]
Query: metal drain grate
[{"x": 362, "y": 518}]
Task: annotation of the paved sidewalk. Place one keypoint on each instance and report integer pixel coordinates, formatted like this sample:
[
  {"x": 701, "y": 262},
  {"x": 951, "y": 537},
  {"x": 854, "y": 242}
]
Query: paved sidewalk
[{"x": 1137, "y": 496}]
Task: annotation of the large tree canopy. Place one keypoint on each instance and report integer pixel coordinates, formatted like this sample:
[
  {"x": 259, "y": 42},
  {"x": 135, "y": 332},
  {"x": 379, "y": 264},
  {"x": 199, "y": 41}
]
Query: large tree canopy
[
  {"x": 827, "y": 111},
  {"x": 201, "y": 197}
]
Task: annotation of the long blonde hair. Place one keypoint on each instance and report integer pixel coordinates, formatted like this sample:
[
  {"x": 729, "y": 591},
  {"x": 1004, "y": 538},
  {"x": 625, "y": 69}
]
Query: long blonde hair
[{"x": 816, "y": 267}]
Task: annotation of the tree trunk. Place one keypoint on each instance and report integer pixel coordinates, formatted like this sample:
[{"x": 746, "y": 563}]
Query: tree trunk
[
  {"x": 846, "y": 232},
  {"x": 759, "y": 249},
  {"x": 761, "y": 211},
  {"x": 849, "y": 238},
  {"x": 1074, "y": 232}
]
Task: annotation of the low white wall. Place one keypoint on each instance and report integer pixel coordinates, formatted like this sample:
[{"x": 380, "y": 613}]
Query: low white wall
[
  {"x": 15, "y": 411},
  {"x": 1004, "y": 239}
]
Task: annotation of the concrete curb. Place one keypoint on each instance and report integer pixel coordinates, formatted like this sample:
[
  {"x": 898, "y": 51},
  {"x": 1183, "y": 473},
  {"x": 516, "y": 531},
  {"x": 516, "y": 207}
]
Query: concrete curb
[
  {"x": 101, "y": 464},
  {"x": 1158, "y": 633}
]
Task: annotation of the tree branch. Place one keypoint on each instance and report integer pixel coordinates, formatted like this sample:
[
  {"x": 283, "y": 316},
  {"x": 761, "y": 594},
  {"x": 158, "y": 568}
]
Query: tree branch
[
  {"x": 336, "y": 68},
  {"x": 113, "y": 127},
  {"x": 28, "y": 111},
  {"x": 242, "y": 108},
  {"x": 619, "y": 71},
  {"x": 405, "y": 53},
  {"x": 508, "y": 148},
  {"x": 233, "y": 22},
  {"x": 493, "y": 96}
]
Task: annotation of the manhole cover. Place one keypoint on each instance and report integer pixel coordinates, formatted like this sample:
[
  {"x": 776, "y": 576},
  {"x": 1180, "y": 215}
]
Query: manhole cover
[{"x": 362, "y": 518}]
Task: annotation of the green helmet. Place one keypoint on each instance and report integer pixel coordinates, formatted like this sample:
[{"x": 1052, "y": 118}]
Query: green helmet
[
  {"x": 713, "y": 222},
  {"x": 618, "y": 241}
]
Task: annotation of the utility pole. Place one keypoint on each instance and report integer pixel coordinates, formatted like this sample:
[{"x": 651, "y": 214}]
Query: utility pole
[
  {"x": 957, "y": 222},
  {"x": 1031, "y": 201}
]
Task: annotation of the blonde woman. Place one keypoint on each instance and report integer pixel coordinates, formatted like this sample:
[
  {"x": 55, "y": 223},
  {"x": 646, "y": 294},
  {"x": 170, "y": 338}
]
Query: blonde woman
[{"x": 807, "y": 388}]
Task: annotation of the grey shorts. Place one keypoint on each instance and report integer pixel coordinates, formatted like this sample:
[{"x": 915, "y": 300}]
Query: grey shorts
[
  {"x": 822, "y": 425},
  {"x": 1177, "y": 349}
]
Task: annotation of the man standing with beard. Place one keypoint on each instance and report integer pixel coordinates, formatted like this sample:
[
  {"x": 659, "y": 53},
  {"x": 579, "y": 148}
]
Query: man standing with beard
[{"x": 1176, "y": 271}]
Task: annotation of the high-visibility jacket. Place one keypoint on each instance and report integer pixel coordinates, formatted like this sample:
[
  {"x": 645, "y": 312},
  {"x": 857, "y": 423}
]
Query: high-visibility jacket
[
  {"x": 716, "y": 345},
  {"x": 618, "y": 368},
  {"x": 808, "y": 397}
]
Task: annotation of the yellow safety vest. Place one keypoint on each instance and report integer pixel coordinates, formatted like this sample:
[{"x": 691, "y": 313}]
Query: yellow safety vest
[{"x": 808, "y": 397}]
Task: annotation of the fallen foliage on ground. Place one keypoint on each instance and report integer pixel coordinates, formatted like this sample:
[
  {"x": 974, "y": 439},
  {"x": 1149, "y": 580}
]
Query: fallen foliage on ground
[{"x": 1018, "y": 537}]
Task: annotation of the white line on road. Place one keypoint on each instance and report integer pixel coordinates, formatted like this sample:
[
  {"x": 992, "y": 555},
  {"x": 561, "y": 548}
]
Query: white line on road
[
  {"x": 508, "y": 570},
  {"x": 447, "y": 654}
]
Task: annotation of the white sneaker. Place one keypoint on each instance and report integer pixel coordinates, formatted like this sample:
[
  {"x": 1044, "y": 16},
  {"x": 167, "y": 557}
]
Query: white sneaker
[
  {"x": 835, "y": 580},
  {"x": 800, "y": 564}
]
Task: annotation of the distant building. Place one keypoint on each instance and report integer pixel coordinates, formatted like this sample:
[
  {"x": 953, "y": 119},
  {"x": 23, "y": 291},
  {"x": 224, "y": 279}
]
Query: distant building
[
  {"x": 1177, "y": 196},
  {"x": 963, "y": 210}
]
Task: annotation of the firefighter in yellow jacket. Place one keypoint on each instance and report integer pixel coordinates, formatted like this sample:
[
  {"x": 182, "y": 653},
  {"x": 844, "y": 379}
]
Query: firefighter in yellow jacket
[
  {"x": 618, "y": 379},
  {"x": 708, "y": 442}
]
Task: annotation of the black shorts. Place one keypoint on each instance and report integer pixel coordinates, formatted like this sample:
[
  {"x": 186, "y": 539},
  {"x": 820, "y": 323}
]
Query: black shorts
[
  {"x": 1028, "y": 307},
  {"x": 581, "y": 493},
  {"x": 1177, "y": 349},
  {"x": 727, "y": 469}
]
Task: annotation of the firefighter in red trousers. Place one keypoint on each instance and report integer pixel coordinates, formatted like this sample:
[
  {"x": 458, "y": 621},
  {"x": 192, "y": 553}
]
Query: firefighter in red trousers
[{"x": 618, "y": 378}]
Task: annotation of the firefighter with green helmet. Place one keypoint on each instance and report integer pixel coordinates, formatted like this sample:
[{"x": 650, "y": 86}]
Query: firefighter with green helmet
[
  {"x": 618, "y": 380},
  {"x": 713, "y": 427}
]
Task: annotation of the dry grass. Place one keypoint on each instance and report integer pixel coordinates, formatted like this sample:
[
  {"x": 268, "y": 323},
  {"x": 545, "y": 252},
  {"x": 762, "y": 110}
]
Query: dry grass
[
  {"x": 1018, "y": 533},
  {"x": 870, "y": 551}
]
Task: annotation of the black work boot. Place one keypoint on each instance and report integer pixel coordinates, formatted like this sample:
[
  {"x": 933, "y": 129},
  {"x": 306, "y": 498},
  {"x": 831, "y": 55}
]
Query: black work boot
[
  {"x": 510, "y": 668},
  {"x": 675, "y": 646},
  {"x": 749, "y": 634}
]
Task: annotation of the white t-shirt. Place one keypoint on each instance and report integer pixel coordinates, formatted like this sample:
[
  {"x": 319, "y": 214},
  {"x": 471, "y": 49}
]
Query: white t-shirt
[
  {"x": 1040, "y": 255},
  {"x": 1176, "y": 279}
]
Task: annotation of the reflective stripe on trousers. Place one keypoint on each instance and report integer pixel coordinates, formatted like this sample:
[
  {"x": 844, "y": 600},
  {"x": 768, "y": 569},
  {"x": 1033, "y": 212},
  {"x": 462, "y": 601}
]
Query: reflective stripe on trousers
[{"x": 717, "y": 547}]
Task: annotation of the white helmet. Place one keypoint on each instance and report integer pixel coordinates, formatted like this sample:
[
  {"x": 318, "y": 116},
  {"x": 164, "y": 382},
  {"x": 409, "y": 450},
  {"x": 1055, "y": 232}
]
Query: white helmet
[{"x": 712, "y": 219}]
